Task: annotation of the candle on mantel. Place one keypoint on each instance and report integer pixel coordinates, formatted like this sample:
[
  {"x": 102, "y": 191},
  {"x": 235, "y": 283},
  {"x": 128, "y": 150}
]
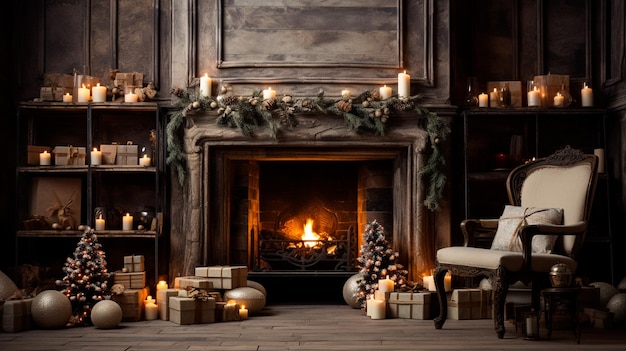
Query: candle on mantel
[
  {"x": 269, "y": 93},
  {"x": 152, "y": 311},
  {"x": 483, "y": 100},
  {"x": 144, "y": 161},
  {"x": 67, "y": 97},
  {"x": 100, "y": 224},
  {"x": 586, "y": 95},
  {"x": 205, "y": 85},
  {"x": 534, "y": 98},
  {"x": 378, "y": 309},
  {"x": 96, "y": 157},
  {"x": 131, "y": 97},
  {"x": 243, "y": 312},
  {"x": 45, "y": 158},
  {"x": 127, "y": 222},
  {"x": 99, "y": 93},
  {"x": 404, "y": 85},
  {"x": 345, "y": 93},
  {"x": 84, "y": 95},
  {"x": 558, "y": 100},
  {"x": 494, "y": 98},
  {"x": 385, "y": 92},
  {"x": 386, "y": 285}
]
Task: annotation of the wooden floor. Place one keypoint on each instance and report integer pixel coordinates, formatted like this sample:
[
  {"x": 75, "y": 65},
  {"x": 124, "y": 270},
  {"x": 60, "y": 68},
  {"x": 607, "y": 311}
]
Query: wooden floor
[{"x": 306, "y": 327}]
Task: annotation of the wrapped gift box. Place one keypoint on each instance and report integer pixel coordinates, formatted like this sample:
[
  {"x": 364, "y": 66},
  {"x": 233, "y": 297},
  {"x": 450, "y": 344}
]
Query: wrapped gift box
[
  {"x": 16, "y": 315},
  {"x": 51, "y": 195},
  {"x": 130, "y": 79},
  {"x": 69, "y": 155},
  {"x": 134, "y": 280},
  {"x": 224, "y": 277},
  {"x": 226, "y": 312},
  {"x": 132, "y": 303},
  {"x": 470, "y": 304},
  {"x": 33, "y": 152},
  {"x": 53, "y": 93},
  {"x": 599, "y": 318},
  {"x": 188, "y": 310},
  {"x": 193, "y": 282},
  {"x": 109, "y": 153},
  {"x": 134, "y": 263},
  {"x": 127, "y": 155},
  {"x": 162, "y": 299},
  {"x": 409, "y": 305}
]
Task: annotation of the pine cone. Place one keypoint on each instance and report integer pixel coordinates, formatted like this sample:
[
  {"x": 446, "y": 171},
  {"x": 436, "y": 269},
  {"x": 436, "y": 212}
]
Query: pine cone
[
  {"x": 230, "y": 100},
  {"x": 345, "y": 106}
]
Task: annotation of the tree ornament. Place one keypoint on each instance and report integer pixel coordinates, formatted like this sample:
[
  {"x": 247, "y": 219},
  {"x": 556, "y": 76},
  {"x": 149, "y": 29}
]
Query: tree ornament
[
  {"x": 51, "y": 309},
  {"x": 106, "y": 314}
]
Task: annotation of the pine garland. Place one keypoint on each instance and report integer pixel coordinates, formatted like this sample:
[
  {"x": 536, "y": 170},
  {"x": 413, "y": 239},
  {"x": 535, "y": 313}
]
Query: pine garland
[{"x": 363, "y": 112}]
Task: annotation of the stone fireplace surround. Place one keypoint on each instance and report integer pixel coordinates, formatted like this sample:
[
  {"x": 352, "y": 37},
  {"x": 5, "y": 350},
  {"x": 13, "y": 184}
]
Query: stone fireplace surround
[{"x": 201, "y": 228}]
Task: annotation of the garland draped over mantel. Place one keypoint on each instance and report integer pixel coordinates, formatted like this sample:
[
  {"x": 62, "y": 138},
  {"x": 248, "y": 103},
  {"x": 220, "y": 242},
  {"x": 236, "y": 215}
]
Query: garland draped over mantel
[{"x": 367, "y": 111}]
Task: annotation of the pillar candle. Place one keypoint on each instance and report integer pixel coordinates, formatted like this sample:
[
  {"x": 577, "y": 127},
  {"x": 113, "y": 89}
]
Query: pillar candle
[
  {"x": 96, "y": 157},
  {"x": 67, "y": 97},
  {"x": 483, "y": 100},
  {"x": 586, "y": 95},
  {"x": 368, "y": 306},
  {"x": 149, "y": 299},
  {"x": 404, "y": 85},
  {"x": 144, "y": 161},
  {"x": 99, "y": 93},
  {"x": 558, "y": 100},
  {"x": 127, "y": 222},
  {"x": 378, "y": 309},
  {"x": 44, "y": 158},
  {"x": 534, "y": 98},
  {"x": 83, "y": 94},
  {"x": 152, "y": 311},
  {"x": 386, "y": 285},
  {"x": 385, "y": 92},
  {"x": 243, "y": 312},
  {"x": 205, "y": 85},
  {"x": 447, "y": 283},
  {"x": 131, "y": 97},
  {"x": 100, "y": 224},
  {"x": 269, "y": 94},
  {"x": 494, "y": 98},
  {"x": 345, "y": 93}
]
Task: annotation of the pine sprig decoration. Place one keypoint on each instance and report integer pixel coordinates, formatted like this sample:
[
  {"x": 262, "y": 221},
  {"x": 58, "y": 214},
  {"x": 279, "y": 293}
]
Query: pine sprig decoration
[
  {"x": 377, "y": 261},
  {"x": 86, "y": 280},
  {"x": 438, "y": 132}
]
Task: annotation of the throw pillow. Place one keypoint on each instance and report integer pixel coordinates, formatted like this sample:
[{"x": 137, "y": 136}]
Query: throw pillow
[{"x": 514, "y": 217}]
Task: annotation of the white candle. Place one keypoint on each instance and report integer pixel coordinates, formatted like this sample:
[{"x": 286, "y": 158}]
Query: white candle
[
  {"x": 100, "y": 223},
  {"x": 99, "y": 93},
  {"x": 531, "y": 326},
  {"x": 385, "y": 92},
  {"x": 67, "y": 97},
  {"x": 494, "y": 98},
  {"x": 131, "y": 97},
  {"x": 83, "y": 94},
  {"x": 127, "y": 222},
  {"x": 44, "y": 158},
  {"x": 483, "y": 100},
  {"x": 586, "y": 95},
  {"x": 345, "y": 93},
  {"x": 404, "y": 85},
  {"x": 447, "y": 283},
  {"x": 243, "y": 312},
  {"x": 558, "y": 100},
  {"x": 386, "y": 285},
  {"x": 534, "y": 98},
  {"x": 152, "y": 311},
  {"x": 269, "y": 94},
  {"x": 205, "y": 85},
  {"x": 378, "y": 309},
  {"x": 96, "y": 157},
  {"x": 144, "y": 161},
  {"x": 149, "y": 299},
  {"x": 368, "y": 306}
]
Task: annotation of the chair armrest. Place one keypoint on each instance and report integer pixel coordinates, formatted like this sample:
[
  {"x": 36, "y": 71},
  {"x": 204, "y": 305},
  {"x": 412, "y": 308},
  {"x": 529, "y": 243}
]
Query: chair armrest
[
  {"x": 527, "y": 233},
  {"x": 473, "y": 228}
]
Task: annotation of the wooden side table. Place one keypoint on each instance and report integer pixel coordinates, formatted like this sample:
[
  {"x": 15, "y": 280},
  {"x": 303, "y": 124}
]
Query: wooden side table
[{"x": 566, "y": 296}]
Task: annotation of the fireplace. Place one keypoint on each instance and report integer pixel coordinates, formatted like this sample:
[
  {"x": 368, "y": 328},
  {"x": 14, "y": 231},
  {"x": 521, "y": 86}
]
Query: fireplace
[{"x": 247, "y": 200}]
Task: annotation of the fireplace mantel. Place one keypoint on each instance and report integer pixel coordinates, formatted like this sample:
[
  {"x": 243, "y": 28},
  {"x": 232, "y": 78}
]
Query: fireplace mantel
[{"x": 209, "y": 147}]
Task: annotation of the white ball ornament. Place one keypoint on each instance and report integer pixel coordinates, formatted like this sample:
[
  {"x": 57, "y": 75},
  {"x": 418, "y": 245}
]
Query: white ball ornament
[
  {"x": 253, "y": 299},
  {"x": 617, "y": 305},
  {"x": 258, "y": 286},
  {"x": 350, "y": 288},
  {"x": 106, "y": 314},
  {"x": 606, "y": 291},
  {"x": 51, "y": 309}
]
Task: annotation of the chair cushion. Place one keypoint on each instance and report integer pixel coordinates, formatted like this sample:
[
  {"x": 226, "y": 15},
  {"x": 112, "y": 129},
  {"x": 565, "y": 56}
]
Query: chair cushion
[
  {"x": 492, "y": 259},
  {"x": 514, "y": 217}
]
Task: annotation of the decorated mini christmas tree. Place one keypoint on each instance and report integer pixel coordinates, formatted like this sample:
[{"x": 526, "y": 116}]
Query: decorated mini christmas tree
[
  {"x": 86, "y": 277},
  {"x": 377, "y": 261}
]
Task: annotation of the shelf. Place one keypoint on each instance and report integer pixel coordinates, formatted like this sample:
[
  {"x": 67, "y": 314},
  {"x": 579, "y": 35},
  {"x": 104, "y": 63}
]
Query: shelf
[{"x": 64, "y": 234}]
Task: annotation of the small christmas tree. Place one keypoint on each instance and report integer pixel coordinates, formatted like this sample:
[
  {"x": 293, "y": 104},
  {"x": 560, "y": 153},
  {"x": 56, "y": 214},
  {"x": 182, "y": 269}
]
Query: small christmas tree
[
  {"x": 377, "y": 261},
  {"x": 86, "y": 278}
]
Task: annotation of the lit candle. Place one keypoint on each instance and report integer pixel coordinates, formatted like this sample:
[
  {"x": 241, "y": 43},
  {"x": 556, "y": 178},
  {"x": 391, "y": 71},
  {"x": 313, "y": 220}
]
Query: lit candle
[
  {"x": 378, "y": 309},
  {"x": 404, "y": 85},
  {"x": 494, "y": 98},
  {"x": 83, "y": 94},
  {"x": 534, "y": 98},
  {"x": 483, "y": 100},
  {"x": 345, "y": 93},
  {"x": 162, "y": 285},
  {"x": 44, "y": 158},
  {"x": 131, "y": 97},
  {"x": 385, "y": 92},
  {"x": 205, "y": 85},
  {"x": 386, "y": 285},
  {"x": 368, "y": 306},
  {"x": 243, "y": 312},
  {"x": 99, "y": 93},
  {"x": 149, "y": 299},
  {"x": 96, "y": 157},
  {"x": 144, "y": 161},
  {"x": 152, "y": 311},
  {"x": 447, "y": 282},
  {"x": 100, "y": 223},
  {"x": 428, "y": 283},
  {"x": 67, "y": 97},
  {"x": 269, "y": 94},
  {"x": 586, "y": 95},
  {"x": 558, "y": 100},
  {"x": 127, "y": 222}
]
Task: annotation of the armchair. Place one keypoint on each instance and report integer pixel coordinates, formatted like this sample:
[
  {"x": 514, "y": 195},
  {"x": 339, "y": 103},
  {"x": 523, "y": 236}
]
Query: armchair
[{"x": 550, "y": 203}]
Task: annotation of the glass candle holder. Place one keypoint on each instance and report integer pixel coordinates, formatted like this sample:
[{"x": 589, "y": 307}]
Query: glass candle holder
[{"x": 534, "y": 94}]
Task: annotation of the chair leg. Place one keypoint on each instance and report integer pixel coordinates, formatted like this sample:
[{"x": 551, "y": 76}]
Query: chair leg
[
  {"x": 438, "y": 278},
  {"x": 500, "y": 289}
]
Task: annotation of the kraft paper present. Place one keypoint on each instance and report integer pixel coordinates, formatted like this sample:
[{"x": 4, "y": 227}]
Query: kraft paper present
[
  {"x": 134, "y": 280},
  {"x": 410, "y": 305},
  {"x": 134, "y": 263},
  {"x": 16, "y": 315},
  {"x": 224, "y": 277},
  {"x": 470, "y": 304},
  {"x": 127, "y": 155},
  {"x": 182, "y": 310},
  {"x": 193, "y": 282},
  {"x": 226, "y": 312},
  {"x": 57, "y": 199},
  {"x": 162, "y": 299},
  {"x": 132, "y": 303},
  {"x": 109, "y": 153},
  {"x": 33, "y": 151}
]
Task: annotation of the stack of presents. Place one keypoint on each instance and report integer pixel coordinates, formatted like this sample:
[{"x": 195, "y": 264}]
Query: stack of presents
[{"x": 194, "y": 299}]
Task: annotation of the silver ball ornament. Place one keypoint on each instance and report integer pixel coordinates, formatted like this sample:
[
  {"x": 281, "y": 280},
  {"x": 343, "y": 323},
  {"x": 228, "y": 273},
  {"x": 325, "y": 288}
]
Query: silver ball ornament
[
  {"x": 350, "y": 288},
  {"x": 51, "y": 309},
  {"x": 106, "y": 314}
]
